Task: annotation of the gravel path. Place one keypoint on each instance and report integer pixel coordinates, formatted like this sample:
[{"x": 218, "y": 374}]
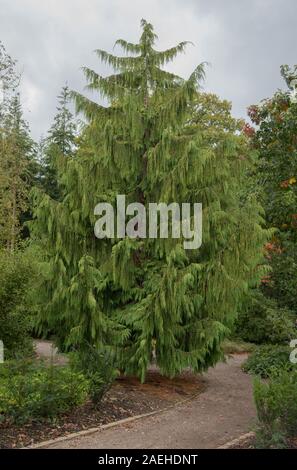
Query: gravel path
[
  {"x": 224, "y": 411},
  {"x": 46, "y": 350}
]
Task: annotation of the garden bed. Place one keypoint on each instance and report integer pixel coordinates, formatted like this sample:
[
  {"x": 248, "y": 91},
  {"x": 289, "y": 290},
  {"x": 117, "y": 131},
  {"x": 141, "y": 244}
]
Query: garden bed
[{"x": 128, "y": 397}]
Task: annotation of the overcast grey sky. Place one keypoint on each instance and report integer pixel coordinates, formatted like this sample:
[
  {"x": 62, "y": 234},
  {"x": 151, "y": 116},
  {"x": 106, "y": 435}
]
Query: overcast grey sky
[{"x": 245, "y": 42}]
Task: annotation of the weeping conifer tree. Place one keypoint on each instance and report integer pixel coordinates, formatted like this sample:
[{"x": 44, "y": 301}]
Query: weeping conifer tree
[{"x": 144, "y": 297}]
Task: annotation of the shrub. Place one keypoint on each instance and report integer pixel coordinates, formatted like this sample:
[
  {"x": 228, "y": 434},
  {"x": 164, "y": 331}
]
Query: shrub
[
  {"x": 276, "y": 403},
  {"x": 35, "y": 391},
  {"x": 261, "y": 321},
  {"x": 98, "y": 367},
  {"x": 268, "y": 359},
  {"x": 16, "y": 276}
]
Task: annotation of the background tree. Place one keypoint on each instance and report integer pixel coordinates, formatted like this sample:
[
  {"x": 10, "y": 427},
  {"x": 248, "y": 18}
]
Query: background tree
[
  {"x": 18, "y": 269},
  {"x": 275, "y": 138},
  {"x": 153, "y": 144},
  {"x": 8, "y": 77},
  {"x": 60, "y": 143},
  {"x": 16, "y": 151},
  {"x": 212, "y": 114}
]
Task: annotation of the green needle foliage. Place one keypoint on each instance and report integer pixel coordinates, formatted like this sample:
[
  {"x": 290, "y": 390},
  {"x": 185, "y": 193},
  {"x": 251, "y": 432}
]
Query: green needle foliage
[
  {"x": 16, "y": 165},
  {"x": 59, "y": 144},
  {"x": 150, "y": 297}
]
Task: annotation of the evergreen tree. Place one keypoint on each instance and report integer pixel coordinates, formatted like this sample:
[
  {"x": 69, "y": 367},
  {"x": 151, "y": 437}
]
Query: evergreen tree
[
  {"x": 59, "y": 143},
  {"x": 142, "y": 296},
  {"x": 16, "y": 149},
  {"x": 275, "y": 139}
]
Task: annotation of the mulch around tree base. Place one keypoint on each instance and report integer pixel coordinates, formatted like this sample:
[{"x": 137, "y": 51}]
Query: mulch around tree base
[{"x": 128, "y": 397}]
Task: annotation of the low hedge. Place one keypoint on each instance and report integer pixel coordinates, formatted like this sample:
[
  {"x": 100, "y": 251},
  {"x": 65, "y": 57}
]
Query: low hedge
[
  {"x": 267, "y": 360},
  {"x": 276, "y": 403}
]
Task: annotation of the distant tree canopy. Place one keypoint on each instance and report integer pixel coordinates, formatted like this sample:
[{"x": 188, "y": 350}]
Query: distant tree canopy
[
  {"x": 276, "y": 141},
  {"x": 59, "y": 144},
  {"x": 275, "y": 138},
  {"x": 16, "y": 153}
]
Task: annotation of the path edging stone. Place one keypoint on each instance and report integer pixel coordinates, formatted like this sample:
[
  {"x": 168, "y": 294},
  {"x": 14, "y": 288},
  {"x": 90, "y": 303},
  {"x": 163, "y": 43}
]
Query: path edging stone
[
  {"x": 86, "y": 432},
  {"x": 238, "y": 440}
]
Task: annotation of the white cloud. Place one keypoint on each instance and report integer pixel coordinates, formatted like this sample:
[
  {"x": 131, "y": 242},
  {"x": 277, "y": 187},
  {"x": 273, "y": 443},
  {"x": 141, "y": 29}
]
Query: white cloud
[
  {"x": 31, "y": 96},
  {"x": 245, "y": 42}
]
